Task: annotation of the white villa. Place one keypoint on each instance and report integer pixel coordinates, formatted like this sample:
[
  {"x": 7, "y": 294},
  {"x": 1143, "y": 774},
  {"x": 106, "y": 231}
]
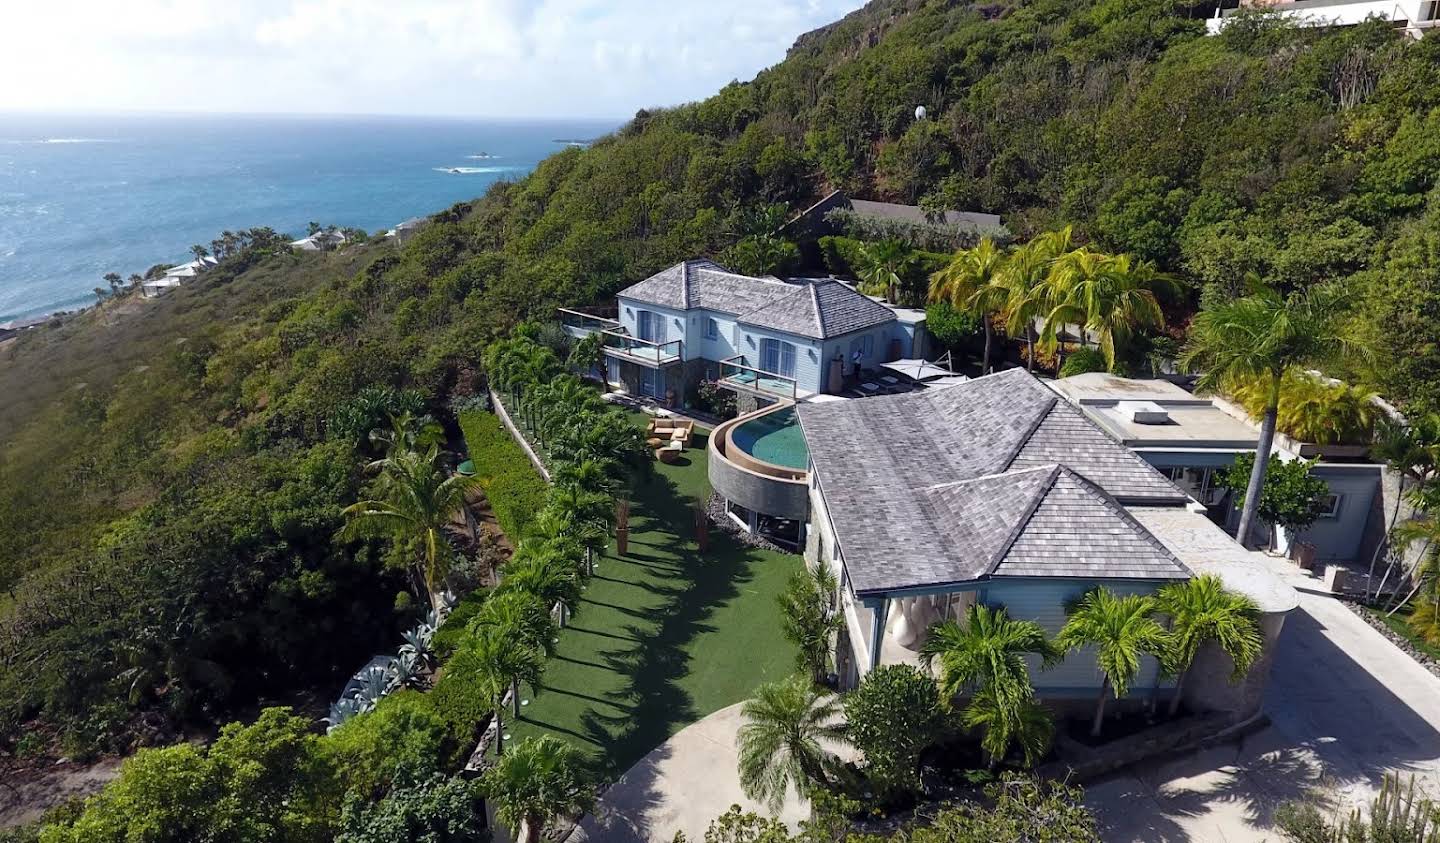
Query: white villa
[
  {"x": 1415, "y": 17},
  {"x": 998, "y": 491},
  {"x": 176, "y": 276},
  {"x": 319, "y": 242}
]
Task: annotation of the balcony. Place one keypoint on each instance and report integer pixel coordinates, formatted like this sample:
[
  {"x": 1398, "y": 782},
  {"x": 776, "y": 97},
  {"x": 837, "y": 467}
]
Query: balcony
[
  {"x": 738, "y": 375},
  {"x": 580, "y": 325},
  {"x": 649, "y": 353}
]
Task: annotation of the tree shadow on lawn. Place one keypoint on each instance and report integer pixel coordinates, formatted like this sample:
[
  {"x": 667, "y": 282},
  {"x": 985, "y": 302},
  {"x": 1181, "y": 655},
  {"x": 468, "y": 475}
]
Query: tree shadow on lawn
[{"x": 652, "y": 704}]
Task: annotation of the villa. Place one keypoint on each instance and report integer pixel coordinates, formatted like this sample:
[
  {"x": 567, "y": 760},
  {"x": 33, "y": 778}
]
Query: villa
[
  {"x": 999, "y": 492},
  {"x": 176, "y": 276},
  {"x": 1415, "y": 17},
  {"x": 1190, "y": 438},
  {"x": 320, "y": 241}
]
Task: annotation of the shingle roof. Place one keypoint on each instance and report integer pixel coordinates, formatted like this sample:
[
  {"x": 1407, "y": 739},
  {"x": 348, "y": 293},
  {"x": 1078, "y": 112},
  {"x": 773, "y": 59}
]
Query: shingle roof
[
  {"x": 916, "y": 214},
  {"x": 926, "y": 488},
  {"x": 818, "y": 310}
]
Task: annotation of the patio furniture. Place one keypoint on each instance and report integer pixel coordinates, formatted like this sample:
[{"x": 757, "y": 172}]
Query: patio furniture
[
  {"x": 669, "y": 453},
  {"x": 870, "y": 388},
  {"x": 654, "y": 441},
  {"x": 889, "y": 381},
  {"x": 668, "y": 428}
]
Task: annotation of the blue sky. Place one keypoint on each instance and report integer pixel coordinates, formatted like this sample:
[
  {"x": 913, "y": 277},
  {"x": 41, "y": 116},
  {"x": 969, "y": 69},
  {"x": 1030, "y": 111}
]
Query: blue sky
[{"x": 505, "y": 58}]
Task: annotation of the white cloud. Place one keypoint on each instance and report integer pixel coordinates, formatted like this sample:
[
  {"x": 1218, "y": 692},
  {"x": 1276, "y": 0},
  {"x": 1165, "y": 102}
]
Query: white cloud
[{"x": 569, "y": 58}]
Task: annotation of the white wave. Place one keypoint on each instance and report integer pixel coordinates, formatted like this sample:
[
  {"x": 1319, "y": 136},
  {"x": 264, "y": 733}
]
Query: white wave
[
  {"x": 469, "y": 171},
  {"x": 483, "y": 157},
  {"x": 57, "y": 140}
]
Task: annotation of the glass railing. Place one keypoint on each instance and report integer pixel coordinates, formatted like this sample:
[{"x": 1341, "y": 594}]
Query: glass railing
[
  {"x": 644, "y": 351},
  {"x": 577, "y": 323},
  {"x": 736, "y": 373}
]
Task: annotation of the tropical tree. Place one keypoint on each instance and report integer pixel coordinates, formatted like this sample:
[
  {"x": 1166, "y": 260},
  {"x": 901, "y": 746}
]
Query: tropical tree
[
  {"x": 547, "y": 570},
  {"x": 199, "y": 251},
  {"x": 966, "y": 283},
  {"x": 1422, "y": 531},
  {"x": 782, "y": 743},
  {"x": 891, "y": 718},
  {"x": 520, "y": 614},
  {"x": 1410, "y": 452},
  {"x": 407, "y": 432},
  {"x": 1112, "y": 295},
  {"x": 808, "y": 619},
  {"x": 416, "y": 503},
  {"x": 1026, "y": 724},
  {"x": 1022, "y": 292},
  {"x": 1122, "y": 630},
  {"x": 882, "y": 268},
  {"x": 1201, "y": 610},
  {"x": 988, "y": 651},
  {"x": 541, "y": 778},
  {"x": 1264, "y": 335},
  {"x": 502, "y": 660}
]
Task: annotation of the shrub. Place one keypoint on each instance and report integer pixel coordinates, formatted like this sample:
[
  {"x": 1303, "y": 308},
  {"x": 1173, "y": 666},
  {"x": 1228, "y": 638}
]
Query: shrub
[
  {"x": 403, "y": 730},
  {"x": 1083, "y": 360},
  {"x": 448, "y": 637},
  {"x": 892, "y": 717},
  {"x": 515, "y": 489},
  {"x": 431, "y": 810},
  {"x": 458, "y": 700}
]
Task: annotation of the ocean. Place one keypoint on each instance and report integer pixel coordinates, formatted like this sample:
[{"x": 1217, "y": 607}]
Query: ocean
[{"x": 83, "y": 196}]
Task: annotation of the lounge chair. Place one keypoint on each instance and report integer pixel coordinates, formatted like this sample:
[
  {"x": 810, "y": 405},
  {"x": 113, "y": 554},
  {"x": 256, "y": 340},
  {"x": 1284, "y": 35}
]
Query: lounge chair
[
  {"x": 665, "y": 429},
  {"x": 669, "y": 453}
]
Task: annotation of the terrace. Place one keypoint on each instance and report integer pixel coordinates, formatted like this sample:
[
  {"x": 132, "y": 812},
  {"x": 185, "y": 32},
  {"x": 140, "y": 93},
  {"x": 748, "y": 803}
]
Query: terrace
[
  {"x": 618, "y": 343},
  {"x": 737, "y": 374}
]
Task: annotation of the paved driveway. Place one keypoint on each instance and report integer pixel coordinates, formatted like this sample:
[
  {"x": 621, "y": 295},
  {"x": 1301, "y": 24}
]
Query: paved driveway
[{"x": 1346, "y": 706}]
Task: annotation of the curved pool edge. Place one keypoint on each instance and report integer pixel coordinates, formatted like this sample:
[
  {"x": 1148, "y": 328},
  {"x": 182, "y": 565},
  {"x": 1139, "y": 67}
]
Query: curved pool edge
[{"x": 754, "y": 484}]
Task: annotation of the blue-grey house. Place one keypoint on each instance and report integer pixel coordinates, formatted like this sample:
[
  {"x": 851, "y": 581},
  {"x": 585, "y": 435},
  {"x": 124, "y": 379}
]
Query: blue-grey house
[
  {"x": 763, "y": 337},
  {"x": 997, "y": 491}
]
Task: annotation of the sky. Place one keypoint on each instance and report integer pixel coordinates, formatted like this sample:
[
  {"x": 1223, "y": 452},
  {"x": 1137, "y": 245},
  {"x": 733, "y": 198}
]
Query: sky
[{"x": 484, "y": 58}]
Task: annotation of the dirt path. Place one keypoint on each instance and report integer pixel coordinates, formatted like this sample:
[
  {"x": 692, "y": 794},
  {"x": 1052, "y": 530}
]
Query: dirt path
[{"x": 29, "y": 792}]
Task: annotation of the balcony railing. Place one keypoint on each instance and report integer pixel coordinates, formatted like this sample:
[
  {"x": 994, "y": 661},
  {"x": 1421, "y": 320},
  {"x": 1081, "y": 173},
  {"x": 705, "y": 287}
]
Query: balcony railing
[
  {"x": 578, "y": 324},
  {"x": 645, "y": 352},
  {"x": 737, "y": 374}
]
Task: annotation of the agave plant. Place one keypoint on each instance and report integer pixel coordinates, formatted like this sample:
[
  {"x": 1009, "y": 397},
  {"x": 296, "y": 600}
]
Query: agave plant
[
  {"x": 405, "y": 672},
  {"x": 417, "y": 646},
  {"x": 342, "y": 711},
  {"x": 374, "y": 684}
]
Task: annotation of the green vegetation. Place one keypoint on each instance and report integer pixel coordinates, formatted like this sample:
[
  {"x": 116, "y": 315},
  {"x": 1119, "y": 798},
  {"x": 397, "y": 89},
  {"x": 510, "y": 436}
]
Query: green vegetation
[
  {"x": 891, "y": 718},
  {"x": 809, "y": 620},
  {"x": 1198, "y": 611},
  {"x": 783, "y": 744},
  {"x": 542, "y": 778},
  {"x": 1122, "y": 630},
  {"x": 515, "y": 490},
  {"x": 1292, "y": 497},
  {"x": 1399, "y": 813}
]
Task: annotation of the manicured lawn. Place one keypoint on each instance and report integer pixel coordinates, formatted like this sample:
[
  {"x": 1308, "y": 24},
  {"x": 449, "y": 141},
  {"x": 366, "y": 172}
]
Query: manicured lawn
[{"x": 665, "y": 634}]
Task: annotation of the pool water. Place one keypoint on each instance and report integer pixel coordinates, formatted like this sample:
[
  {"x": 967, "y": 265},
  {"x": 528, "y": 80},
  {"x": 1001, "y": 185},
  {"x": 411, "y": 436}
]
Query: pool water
[{"x": 775, "y": 438}]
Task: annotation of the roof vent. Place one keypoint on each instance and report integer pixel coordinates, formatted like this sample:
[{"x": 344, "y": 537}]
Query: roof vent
[{"x": 1144, "y": 412}]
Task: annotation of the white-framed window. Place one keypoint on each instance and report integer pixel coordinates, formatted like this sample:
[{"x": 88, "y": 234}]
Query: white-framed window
[
  {"x": 1330, "y": 506},
  {"x": 712, "y": 328},
  {"x": 777, "y": 357}
]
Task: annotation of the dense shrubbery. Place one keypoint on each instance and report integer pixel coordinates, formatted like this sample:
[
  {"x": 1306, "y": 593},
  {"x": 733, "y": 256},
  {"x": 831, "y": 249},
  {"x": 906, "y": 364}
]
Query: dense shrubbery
[{"x": 516, "y": 491}]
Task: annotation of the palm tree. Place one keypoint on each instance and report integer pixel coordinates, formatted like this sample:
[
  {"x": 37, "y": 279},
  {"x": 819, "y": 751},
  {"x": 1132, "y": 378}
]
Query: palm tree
[
  {"x": 547, "y": 571},
  {"x": 1122, "y": 630},
  {"x": 590, "y": 475},
  {"x": 782, "y": 743},
  {"x": 1202, "y": 610},
  {"x": 408, "y": 432},
  {"x": 808, "y": 620},
  {"x": 987, "y": 652},
  {"x": 1026, "y": 724},
  {"x": 199, "y": 251},
  {"x": 522, "y": 615},
  {"x": 1423, "y": 530},
  {"x": 1111, "y": 295},
  {"x": 1409, "y": 452},
  {"x": 503, "y": 660},
  {"x": 417, "y": 504},
  {"x": 965, "y": 282},
  {"x": 540, "y": 779},
  {"x": 882, "y": 268},
  {"x": 1264, "y": 335},
  {"x": 1022, "y": 291}
]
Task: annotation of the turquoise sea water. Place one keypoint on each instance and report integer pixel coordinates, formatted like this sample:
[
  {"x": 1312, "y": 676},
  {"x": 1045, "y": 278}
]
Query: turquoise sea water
[
  {"x": 83, "y": 196},
  {"x": 775, "y": 438}
]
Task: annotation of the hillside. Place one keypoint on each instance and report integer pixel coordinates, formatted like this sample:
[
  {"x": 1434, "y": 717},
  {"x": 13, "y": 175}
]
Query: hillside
[{"x": 206, "y": 477}]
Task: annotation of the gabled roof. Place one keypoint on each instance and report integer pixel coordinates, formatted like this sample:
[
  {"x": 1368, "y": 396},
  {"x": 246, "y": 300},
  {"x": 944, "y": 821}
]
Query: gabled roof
[
  {"x": 926, "y": 488},
  {"x": 817, "y": 310}
]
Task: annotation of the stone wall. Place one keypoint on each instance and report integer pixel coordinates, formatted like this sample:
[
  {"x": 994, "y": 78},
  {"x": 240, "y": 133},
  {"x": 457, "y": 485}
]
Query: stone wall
[{"x": 1208, "y": 687}]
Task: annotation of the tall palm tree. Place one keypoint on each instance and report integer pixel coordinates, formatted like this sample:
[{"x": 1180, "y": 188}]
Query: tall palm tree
[
  {"x": 520, "y": 614},
  {"x": 1122, "y": 630},
  {"x": 1264, "y": 335},
  {"x": 1423, "y": 530},
  {"x": 1112, "y": 295},
  {"x": 808, "y": 620},
  {"x": 503, "y": 661},
  {"x": 882, "y": 268},
  {"x": 1202, "y": 610},
  {"x": 1410, "y": 452},
  {"x": 540, "y": 779},
  {"x": 547, "y": 571},
  {"x": 988, "y": 651},
  {"x": 590, "y": 474},
  {"x": 417, "y": 502},
  {"x": 782, "y": 743},
  {"x": 407, "y": 432},
  {"x": 965, "y": 283},
  {"x": 1026, "y": 724},
  {"x": 1026, "y": 295}
]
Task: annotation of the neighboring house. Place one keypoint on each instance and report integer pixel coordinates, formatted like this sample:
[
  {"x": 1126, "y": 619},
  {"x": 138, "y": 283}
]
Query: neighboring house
[
  {"x": 764, "y": 338},
  {"x": 176, "y": 276},
  {"x": 812, "y": 223},
  {"x": 1416, "y": 17},
  {"x": 997, "y": 491},
  {"x": 1191, "y": 438},
  {"x": 406, "y": 230},
  {"x": 321, "y": 241}
]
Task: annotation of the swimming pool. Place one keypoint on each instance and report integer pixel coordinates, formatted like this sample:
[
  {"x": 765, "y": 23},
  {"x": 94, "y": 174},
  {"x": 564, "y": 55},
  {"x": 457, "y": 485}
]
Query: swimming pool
[{"x": 774, "y": 438}]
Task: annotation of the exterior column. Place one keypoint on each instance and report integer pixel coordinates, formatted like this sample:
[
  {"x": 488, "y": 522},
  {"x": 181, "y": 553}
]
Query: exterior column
[{"x": 878, "y": 612}]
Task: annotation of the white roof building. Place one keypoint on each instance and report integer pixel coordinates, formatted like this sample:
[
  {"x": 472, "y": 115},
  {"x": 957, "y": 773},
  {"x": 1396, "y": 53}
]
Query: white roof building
[{"x": 1416, "y": 17}]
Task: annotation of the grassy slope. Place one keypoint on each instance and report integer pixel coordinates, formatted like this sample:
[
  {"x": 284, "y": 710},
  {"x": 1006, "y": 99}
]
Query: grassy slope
[{"x": 666, "y": 634}]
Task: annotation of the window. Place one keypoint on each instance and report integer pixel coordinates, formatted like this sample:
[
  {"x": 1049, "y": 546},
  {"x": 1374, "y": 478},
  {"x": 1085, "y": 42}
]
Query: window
[
  {"x": 712, "y": 329},
  {"x": 867, "y": 345},
  {"x": 1330, "y": 506},
  {"x": 777, "y": 357},
  {"x": 650, "y": 326}
]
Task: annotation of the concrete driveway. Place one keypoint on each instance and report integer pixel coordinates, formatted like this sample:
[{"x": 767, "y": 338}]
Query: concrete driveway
[{"x": 1346, "y": 706}]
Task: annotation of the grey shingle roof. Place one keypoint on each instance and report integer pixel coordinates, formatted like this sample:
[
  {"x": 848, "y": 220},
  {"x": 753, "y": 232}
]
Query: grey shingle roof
[
  {"x": 916, "y": 214},
  {"x": 927, "y": 488},
  {"x": 818, "y": 310}
]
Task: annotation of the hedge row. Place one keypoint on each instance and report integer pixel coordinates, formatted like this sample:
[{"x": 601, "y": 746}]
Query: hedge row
[{"x": 515, "y": 489}]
